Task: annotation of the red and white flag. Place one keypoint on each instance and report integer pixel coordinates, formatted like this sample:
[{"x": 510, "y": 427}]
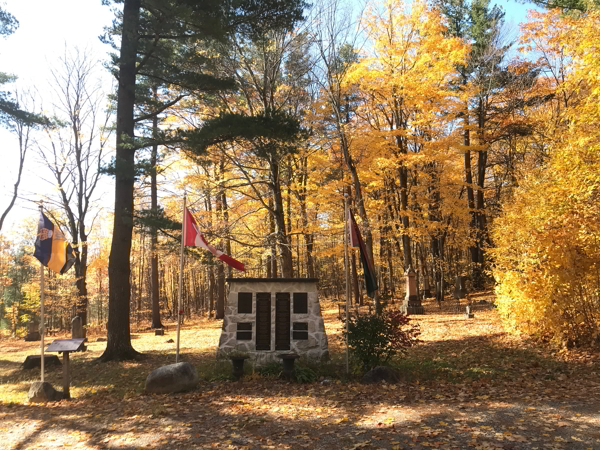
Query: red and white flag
[{"x": 193, "y": 238}]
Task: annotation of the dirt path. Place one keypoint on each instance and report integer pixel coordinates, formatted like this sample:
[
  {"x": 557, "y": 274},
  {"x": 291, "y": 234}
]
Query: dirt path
[{"x": 468, "y": 385}]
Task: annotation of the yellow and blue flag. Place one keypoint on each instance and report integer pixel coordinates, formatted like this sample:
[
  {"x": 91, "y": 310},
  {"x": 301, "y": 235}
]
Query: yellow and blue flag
[{"x": 52, "y": 248}]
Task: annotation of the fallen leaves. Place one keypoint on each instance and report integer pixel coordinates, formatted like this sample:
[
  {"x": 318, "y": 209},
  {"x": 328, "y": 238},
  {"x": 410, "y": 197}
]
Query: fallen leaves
[{"x": 450, "y": 407}]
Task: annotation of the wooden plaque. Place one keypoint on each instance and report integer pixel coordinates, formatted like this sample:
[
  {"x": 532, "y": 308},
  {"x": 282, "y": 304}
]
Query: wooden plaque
[
  {"x": 282, "y": 321},
  {"x": 66, "y": 345},
  {"x": 263, "y": 321}
]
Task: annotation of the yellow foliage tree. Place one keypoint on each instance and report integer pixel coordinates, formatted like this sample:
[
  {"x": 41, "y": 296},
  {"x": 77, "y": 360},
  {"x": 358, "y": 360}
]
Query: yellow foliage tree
[{"x": 547, "y": 252}]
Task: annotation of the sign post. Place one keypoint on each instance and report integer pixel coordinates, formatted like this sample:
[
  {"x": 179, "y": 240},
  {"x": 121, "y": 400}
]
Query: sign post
[{"x": 66, "y": 346}]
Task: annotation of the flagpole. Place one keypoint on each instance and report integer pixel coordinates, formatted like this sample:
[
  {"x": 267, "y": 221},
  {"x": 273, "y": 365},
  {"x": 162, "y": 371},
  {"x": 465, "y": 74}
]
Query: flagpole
[
  {"x": 180, "y": 276},
  {"x": 42, "y": 289},
  {"x": 346, "y": 264}
]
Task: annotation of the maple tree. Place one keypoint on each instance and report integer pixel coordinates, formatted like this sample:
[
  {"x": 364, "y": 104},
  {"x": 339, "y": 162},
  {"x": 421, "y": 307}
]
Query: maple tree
[
  {"x": 75, "y": 154},
  {"x": 546, "y": 251}
]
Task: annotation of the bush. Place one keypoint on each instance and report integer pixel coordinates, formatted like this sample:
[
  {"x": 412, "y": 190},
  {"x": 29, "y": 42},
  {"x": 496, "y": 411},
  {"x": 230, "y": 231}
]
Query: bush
[
  {"x": 270, "y": 370},
  {"x": 304, "y": 374},
  {"x": 373, "y": 339}
]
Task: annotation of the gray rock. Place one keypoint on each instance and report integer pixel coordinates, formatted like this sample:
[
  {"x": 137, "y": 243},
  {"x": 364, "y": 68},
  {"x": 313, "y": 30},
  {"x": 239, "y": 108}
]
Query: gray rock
[
  {"x": 33, "y": 361},
  {"x": 33, "y": 336},
  {"x": 172, "y": 378},
  {"x": 381, "y": 373},
  {"x": 43, "y": 392}
]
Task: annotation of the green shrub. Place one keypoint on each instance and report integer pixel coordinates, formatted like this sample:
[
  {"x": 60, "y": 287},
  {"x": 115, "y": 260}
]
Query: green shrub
[
  {"x": 373, "y": 339},
  {"x": 270, "y": 370},
  {"x": 304, "y": 374}
]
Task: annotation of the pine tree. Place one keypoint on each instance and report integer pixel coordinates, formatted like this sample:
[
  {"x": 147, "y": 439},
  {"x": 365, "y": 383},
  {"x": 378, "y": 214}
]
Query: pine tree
[{"x": 147, "y": 29}]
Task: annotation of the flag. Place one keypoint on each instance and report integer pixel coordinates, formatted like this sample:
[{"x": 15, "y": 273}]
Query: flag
[
  {"x": 52, "y": 248},
  {"x": 193, "y": 238},
  {"x": 356, "y": 241}
]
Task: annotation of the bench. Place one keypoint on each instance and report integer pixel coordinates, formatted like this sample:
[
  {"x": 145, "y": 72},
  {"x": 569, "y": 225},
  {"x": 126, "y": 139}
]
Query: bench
[{"x": 354, "y": 311}]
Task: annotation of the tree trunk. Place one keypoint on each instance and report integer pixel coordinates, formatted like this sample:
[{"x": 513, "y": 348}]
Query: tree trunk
[
  {"x": 470, "y": 196},
  {"x": 156, "y": 322},
  {"x": 118, "y": 345},
  {"x": 308, "y": 237},
  {"x": 220, "y": 312},
  {"x": 478, "y": 282},
  {"x": 279, "y": 217},
  {"x": 273, "y": 240},
  {"x": 405, "y": 222}
]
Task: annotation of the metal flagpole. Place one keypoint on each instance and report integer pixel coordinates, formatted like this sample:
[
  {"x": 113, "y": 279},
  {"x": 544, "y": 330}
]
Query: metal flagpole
[
  {"x": 42, "y": 317},
  {"x": 42, "y": 288},
  {"x": 180, "y": 276},
  {"x": 346, "y": 264}
]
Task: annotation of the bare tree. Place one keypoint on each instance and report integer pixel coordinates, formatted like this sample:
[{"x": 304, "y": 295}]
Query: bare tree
[
  {"x": 22, "y": 129},
  {"x": 75, "y": 153}
]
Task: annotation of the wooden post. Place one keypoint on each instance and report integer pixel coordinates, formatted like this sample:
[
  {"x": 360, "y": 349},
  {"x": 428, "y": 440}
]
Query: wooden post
[{"x": 66, "y": 393}]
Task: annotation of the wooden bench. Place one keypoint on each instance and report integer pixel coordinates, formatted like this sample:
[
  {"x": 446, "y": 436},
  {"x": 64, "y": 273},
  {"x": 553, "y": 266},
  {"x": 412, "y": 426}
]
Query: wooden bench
[{"x": 354, "y": 310}]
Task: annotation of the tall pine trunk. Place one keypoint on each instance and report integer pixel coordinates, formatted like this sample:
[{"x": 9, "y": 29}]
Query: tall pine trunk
[{"x": 118, "y": 345}]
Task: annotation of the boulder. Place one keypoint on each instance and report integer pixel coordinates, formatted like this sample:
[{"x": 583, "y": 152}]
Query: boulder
[
  {"x": 33, "y": 361},
  {"x": 40, "y": 392},
  {"x": 381, "y": 373},
  {"x": 33, "y": 336},
  {"x": 172, "y": 378},
  {"x": 170, "y": 341}
]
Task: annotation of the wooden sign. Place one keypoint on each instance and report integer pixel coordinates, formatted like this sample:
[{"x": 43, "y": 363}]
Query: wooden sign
[
  {"x": 263, "y": 321},
  {"x": 282, "y": 321},
  {"x": 66, "y": 345}
]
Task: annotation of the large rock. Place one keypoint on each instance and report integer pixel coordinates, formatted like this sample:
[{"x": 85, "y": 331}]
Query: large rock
[
  {"x": 43, "y": 392},
  {"x": 33, "y": 361},
  {"x": 381, "y": 373},
  {"x": 172, "y": 378},
  {"x": 33, "y": 336}
]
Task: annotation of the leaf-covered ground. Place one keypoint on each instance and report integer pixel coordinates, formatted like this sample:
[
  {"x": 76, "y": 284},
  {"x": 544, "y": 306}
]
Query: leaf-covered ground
[{"x": 468, "y": 385}]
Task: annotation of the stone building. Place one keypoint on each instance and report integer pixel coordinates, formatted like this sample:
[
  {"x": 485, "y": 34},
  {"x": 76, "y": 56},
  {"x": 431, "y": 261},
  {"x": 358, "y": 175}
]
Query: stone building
[{"x": 266, "y": 317}]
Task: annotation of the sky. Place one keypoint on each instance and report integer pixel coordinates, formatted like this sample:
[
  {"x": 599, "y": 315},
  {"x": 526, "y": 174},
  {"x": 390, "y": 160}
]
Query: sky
[{"x": 47, "y": 29}]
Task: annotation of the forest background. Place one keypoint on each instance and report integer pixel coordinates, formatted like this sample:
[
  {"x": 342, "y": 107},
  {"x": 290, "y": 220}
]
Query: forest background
[{"x": 461, "y": 149}]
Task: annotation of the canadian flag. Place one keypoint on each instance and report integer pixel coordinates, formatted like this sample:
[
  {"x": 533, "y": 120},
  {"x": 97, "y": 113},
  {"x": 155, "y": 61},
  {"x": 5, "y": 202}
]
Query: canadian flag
[{"x": 193, "y": 238}]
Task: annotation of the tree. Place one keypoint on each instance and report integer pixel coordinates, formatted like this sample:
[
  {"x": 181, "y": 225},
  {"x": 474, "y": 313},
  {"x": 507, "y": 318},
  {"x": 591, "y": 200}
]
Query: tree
[
  {"x": 12, "y": 115},
  {"x": 404, "y": 92},
  {"x": 547, "y": 246},
  {"x": 144, "y": 31},
  {"x": 75, "y": 154},
  {"x": 336, "y": 42},
  {"x": 567, "y": 5},
  {"x": 23, "y": 130}
]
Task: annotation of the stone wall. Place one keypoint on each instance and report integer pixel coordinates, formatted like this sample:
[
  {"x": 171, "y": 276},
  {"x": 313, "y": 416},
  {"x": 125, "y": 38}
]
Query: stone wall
[{"x": 313, "y": 348}]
